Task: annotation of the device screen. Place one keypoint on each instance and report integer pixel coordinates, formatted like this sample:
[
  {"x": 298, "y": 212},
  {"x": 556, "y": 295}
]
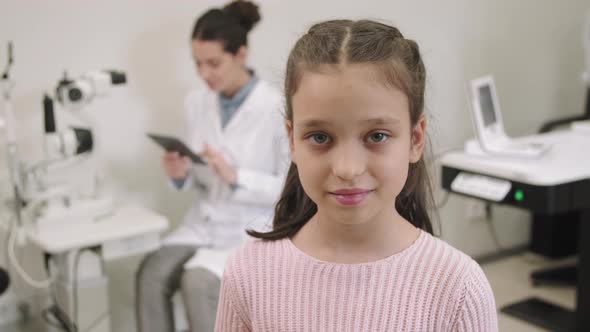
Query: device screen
[{"x": 487, "y": 105}]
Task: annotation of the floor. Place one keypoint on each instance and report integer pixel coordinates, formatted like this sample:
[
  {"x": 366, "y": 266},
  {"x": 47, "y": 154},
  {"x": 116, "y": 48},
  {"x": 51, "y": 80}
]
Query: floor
[{"x": 509, "y": 278}]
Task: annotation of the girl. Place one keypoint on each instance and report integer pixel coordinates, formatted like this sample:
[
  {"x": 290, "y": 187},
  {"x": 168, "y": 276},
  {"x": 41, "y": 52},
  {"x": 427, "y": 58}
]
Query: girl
[
  {"x": 240, "y": 183},
  {"x": 352, "y": 247}
]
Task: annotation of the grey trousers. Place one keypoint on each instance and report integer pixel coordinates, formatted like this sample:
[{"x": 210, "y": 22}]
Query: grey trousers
[{"x": 160, "y": 275}]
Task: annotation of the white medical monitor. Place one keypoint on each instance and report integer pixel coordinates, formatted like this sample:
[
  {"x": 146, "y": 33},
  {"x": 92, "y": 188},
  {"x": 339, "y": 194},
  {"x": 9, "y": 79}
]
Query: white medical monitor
[{"x": 487, "y": 118}]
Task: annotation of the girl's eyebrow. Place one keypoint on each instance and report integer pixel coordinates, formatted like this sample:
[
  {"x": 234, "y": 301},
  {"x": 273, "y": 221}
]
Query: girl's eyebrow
[
  {"x": 312, "y": 123},
  {"x": 382, "y": 121}
]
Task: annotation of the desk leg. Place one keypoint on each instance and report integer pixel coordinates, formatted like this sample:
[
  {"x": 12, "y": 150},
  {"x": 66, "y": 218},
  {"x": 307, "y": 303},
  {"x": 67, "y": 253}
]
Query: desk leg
[
  {"x": 583, "y": 293},
  {"x": 85, "y": 300},
  {"x": 555, "y": 235}
]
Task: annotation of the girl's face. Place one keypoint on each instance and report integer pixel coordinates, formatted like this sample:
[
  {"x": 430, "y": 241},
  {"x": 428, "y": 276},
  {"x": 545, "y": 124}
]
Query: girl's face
[
  {"x": 218, "y": 68},
  {"x": 352, "y": 142}
]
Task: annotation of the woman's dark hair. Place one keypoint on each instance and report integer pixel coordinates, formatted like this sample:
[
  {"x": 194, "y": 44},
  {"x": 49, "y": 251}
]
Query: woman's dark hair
[
  {"x": 229, "y": 25},
  {"x": 339, "y": 43}
]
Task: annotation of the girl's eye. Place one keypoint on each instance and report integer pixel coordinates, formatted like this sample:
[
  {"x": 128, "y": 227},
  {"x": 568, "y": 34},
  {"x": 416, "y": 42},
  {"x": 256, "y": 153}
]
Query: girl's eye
[
  {"x": 319, "y": 138},
  {"x": 378, "y": 137}
]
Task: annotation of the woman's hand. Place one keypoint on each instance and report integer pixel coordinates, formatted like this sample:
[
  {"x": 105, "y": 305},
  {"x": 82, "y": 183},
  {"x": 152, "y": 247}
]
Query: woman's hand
[
  {"x": 219, "y": 165},
  {"x": 175, "y": 165}
]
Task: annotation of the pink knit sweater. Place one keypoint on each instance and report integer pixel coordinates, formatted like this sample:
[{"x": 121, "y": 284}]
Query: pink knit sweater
[{"x": 430, "y": 286}]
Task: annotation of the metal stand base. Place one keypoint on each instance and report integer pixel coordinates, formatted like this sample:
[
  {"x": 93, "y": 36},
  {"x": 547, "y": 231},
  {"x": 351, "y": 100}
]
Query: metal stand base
[
  {"x": 543, "y": 314},
  {"x": 561, "y": 276}
]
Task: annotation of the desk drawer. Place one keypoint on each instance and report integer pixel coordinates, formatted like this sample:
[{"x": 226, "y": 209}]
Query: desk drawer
[{"x": 547, "y": 200}]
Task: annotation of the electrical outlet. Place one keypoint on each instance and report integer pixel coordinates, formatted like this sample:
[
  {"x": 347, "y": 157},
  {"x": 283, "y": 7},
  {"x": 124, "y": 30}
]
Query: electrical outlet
[{"x": 475, "y": 210}]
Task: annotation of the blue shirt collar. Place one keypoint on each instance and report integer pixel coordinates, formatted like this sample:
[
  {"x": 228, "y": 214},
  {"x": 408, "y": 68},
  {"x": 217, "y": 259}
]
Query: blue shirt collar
[{"x": 235, "y": 101}]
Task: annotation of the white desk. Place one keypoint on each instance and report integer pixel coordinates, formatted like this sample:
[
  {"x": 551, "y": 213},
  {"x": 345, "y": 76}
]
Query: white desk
[
  {"x": 556, "y": 184},
  {"x": 125, "y": 222},
  {"x": 128, "y": 231},
  {"x": 567, "y": 161}
]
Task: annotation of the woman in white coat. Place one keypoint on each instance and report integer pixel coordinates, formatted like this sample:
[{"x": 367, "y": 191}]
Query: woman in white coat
[{"x": 237, "y": 127}]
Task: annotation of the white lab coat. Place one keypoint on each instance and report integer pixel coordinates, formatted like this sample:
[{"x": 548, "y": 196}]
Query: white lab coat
[{"x": 255, "y": 142}]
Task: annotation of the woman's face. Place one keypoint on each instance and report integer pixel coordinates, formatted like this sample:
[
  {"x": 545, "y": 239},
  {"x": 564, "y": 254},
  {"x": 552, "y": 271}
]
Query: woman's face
[
  {"x": 352, "y": 142},
  {"x": 218, "y": 68}
]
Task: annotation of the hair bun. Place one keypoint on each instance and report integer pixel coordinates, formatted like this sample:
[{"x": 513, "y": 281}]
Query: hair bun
[{"x": 245, "y": 12}]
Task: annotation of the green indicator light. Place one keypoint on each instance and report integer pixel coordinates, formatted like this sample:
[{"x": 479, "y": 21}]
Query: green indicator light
[{"x": 519, "y": 195}]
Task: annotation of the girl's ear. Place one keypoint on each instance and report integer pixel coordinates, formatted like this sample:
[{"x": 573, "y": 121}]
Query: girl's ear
[
  {"x": 418, "y": 140},
  {"x": 289, "y": 129}
]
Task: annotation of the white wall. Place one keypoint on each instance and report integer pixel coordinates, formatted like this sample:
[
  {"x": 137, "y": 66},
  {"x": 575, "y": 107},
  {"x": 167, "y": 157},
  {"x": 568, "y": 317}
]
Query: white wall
[{"x": 533, "y": 47}]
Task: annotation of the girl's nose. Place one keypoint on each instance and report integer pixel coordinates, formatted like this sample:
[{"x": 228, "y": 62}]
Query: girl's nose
[{"x": 349, "y": 162}]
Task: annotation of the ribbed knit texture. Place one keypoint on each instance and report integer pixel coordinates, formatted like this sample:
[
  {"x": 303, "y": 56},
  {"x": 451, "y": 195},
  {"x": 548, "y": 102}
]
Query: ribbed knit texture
[{"x": 430, "y": 286}]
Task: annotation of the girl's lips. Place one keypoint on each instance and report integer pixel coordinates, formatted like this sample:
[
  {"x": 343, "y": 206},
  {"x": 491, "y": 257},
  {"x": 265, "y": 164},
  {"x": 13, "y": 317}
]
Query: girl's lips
[{"x": 351, "y": 197}]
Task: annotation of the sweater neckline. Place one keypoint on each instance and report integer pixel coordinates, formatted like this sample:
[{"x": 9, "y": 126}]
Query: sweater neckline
[{"x": 398, "y": 255}]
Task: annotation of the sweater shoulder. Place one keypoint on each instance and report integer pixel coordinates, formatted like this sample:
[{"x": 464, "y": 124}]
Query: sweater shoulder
[
  {"x": 455, "y": 261},
  {"x": 255, "y": 255}
]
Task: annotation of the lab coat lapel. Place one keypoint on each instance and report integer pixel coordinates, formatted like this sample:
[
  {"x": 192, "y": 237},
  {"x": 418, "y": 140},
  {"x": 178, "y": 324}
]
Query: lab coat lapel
[
  {"x": 215, "y": 119},
  {"x": 238, "y": 120}
]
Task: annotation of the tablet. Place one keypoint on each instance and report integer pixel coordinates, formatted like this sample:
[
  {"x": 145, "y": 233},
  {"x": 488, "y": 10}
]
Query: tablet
[{"x": 172, "y": 144}]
